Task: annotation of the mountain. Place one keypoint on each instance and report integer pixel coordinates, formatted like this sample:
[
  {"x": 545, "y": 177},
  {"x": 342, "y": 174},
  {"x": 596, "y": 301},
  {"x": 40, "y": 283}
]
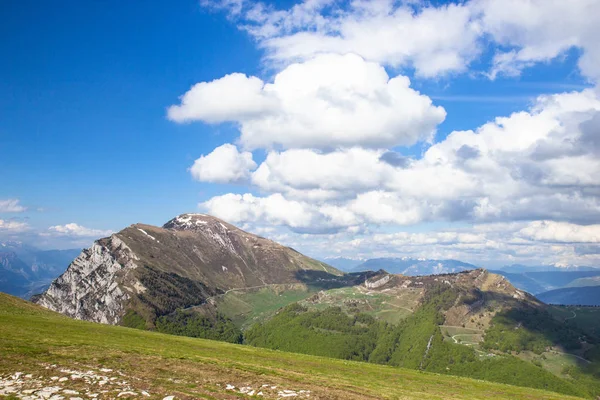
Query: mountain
[
  {"x": 586, "y": 296},
  {"x": 13, "y": 279},
  {"x": 343, "y": 263},
  {"x": 26, "y": 270},
  {"x": 519, "y": 268},
  {"x": 414, "y": 267},
  {"x": 542, "y": 281},
  {"x": 144, "y": 271},
  {"x": 523, "y": 282},
  {"x": 590, "y": 281}
]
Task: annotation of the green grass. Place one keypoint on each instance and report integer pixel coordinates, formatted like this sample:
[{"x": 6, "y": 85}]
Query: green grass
[
  {"x": 466, "y": 336},
  {"x": 248, "y": 307},
  {"x": 388, "y": 307},
  {"x": 586, "y": 318},
  {"x": 31, "y": 338},
  {"x": 553, "y": 361}
]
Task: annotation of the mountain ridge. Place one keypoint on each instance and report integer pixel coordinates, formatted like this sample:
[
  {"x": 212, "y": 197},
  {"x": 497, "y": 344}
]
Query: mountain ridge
[
  {"x": 154, "y": 270},
  {"x": 414, "y": 266}
]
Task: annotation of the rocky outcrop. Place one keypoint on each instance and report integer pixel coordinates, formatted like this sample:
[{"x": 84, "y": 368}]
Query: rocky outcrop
[
  {"x": 94, "y": 286},
  {"x": 377, "y": 282}
]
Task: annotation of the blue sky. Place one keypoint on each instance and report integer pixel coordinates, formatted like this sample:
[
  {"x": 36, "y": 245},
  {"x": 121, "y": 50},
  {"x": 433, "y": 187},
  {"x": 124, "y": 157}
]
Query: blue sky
[{"x": 86, "y": 139}]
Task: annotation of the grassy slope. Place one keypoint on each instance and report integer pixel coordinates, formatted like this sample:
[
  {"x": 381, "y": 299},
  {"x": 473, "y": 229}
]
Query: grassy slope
[
  {"x": 387, "y": 307},
  {"x": 251, "y": 306},
  {"x": 586, "y": 318},
  {"x": 31, "y": 338}
]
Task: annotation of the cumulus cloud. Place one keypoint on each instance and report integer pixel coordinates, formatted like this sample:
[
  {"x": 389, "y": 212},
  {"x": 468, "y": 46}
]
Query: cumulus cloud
[
  {"x": 553, "y": 231},
  {"x": 248, "y": 208},
  {"x": 539, "y": 31},
  {"x": 75, "y": 230},
  {"x": 224, "y": 164},
  {"x": 326, "y": 102},
  {"x": 301, "y": 171},
  {"x": 11, "y": 206},
  {"x": 331, "y": 120},
  {"x": 527, "y": 166},
  {"x": 231, "y": 98},
  {"x": 8, "y": 226},
  {"x": 434, "y": 40}
]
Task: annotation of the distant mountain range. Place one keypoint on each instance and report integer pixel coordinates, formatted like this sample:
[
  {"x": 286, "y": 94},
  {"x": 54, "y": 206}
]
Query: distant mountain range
[
  {"x": 537, "y": 280},
  {"x": 26, "y": 270},
  {"x": 574, "y": 296},
  {"x": 540, "y": 282},
  {"x": 414, "y": 266},
  {"x": 519, "y": 268},
  {"x": 343, "y": 263}
]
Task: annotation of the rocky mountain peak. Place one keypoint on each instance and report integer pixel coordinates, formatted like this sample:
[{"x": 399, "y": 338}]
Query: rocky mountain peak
[{"x": 197, "y": 222}]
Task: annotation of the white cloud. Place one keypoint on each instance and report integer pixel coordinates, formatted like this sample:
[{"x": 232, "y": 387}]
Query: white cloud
[
  {"x": 11, "y": 206},
  {"x": 485, "y": 245},
  {"x": 75, "y": 230},
  {"x": 275, "y": 209},
  {"x": 300, "y": 171},
  {"x": 331, "y": 118},
  {"x": 13, "y": 226},
  {"x": 535, "y": 165},
  {"x": 387, "y": 208},
  {"x": 541, "y": 30},
  {"x": 230, "y": 98},
  {"x": 553, "y": 231},
  {"x": 326, "y": 102},
  {"x": 223, "y": 165},
  {"x": 435, "y": 41}
]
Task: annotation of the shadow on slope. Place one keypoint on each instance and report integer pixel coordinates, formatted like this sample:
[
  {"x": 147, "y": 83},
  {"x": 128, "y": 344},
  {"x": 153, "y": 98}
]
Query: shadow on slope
[{"x": 322, "y": 280}]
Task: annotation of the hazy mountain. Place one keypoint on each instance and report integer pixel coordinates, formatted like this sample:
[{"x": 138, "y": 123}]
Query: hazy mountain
[
  {"x": 542, "y": 281},
  {"x": 151, "y": 271},
  {"x": 342, "y": 263},
  {"x": 519, "y": 268},
  {"x": 589, "y": 281},
  {"x": 586, "y": 296},
  {"x": 523, "y": 282},
  {"x": 13, "y": 279},
  {"x": 26, "y": 270},
  {"x": 414, "y": 267}
]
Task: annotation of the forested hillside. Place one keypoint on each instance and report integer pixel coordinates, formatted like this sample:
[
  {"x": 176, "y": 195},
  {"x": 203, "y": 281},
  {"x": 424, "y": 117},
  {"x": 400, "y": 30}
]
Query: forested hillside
[{"x": 418, "y": 343}]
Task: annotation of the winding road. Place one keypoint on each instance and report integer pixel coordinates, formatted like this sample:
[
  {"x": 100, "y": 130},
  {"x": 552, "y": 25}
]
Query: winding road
[
  {"x": 230, "y": 290},
  {"x": 574, "y": 316}
]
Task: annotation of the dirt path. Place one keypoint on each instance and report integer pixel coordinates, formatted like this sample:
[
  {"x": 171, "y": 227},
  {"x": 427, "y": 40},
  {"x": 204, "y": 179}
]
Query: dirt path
[
  {"x": 397, "y": 306},
  {"x": 460, "y": 327},
  {"x": 574, "y": 355},
  {"x": 461, "y": 334},
  {"x": 574, "y": 316},
  {"x": 230, "y": 290}
]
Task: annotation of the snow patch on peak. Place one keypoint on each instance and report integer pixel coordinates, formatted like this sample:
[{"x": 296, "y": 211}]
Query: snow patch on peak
[
  {"x": 210, "y": 227},
  {"x": 147, "y": 234}
]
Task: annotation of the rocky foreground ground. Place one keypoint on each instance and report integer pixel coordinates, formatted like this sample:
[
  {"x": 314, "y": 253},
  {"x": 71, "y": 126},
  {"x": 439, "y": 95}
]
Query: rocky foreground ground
[{"x": 59, "y": 383}]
